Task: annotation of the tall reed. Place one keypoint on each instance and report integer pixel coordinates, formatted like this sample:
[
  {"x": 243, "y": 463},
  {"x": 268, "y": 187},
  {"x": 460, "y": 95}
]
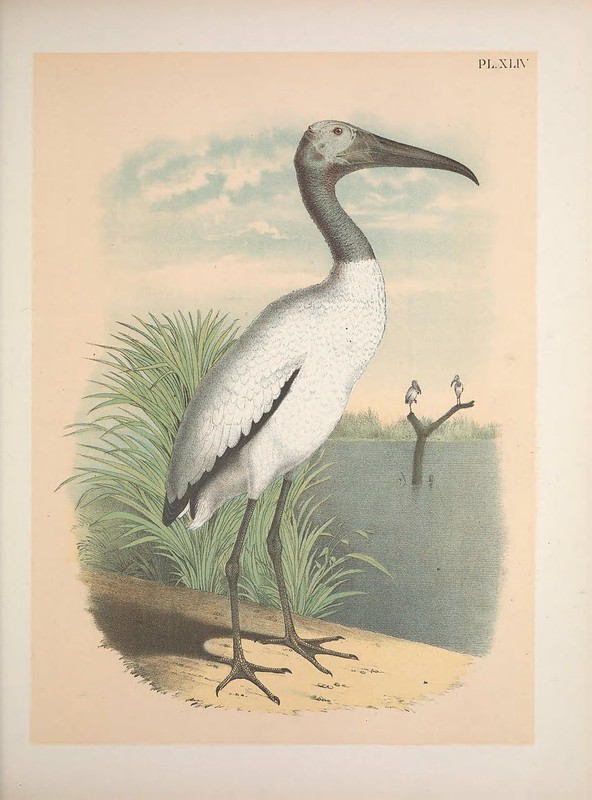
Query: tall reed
[{"x": 149, "y": 373}]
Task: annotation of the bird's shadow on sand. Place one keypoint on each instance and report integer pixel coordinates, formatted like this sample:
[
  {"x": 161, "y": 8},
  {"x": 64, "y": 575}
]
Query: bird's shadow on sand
[{"x": 136, "y": 630}]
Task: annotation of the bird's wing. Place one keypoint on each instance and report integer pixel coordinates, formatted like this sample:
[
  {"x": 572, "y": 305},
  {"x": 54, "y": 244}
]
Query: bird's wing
[
  {"x": 234, "y": 398},
  {"x": 408, "y": 396}
]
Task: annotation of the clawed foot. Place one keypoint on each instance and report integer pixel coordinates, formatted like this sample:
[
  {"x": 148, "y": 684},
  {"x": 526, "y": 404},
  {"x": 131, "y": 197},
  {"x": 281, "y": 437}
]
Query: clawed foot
[
  {"x": 309, "y": 648},
  {"x": 242, "y": 670}
]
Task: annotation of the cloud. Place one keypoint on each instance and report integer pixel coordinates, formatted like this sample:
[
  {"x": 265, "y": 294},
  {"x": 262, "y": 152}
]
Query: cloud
[
  {"x": 173, "y": 201},
  {"x": 384, "y": 178},
  {"x": 389, "y": 219},
  {"x": 264, "y": 229},
  {"x": 158, "y": 191}
]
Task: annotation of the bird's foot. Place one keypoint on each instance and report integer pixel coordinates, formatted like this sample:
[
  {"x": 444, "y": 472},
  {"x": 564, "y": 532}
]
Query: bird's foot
[
  {"x": 309, "y": 648},
  {"x": 241, "y": 669}
]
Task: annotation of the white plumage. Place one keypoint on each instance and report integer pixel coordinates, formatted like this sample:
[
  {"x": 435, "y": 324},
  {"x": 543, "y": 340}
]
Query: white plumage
[
  {"x": 328, "y": 332},
  {"x": 411, "y": 394},
  {"x": 275, "y": 396},
  {"x": 458, "y": 388}
]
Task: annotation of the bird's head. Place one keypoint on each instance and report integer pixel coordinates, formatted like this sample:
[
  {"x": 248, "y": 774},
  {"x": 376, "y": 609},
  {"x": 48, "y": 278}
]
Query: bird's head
[
  {"x": 456, "y": 378},
  {"x": 334, "y": 149},
  {"x": 415, "y": 385}
]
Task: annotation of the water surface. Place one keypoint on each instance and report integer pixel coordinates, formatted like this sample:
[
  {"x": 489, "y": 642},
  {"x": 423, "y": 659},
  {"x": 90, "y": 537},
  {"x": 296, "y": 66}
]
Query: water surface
[{"x": 442, "y": 542}]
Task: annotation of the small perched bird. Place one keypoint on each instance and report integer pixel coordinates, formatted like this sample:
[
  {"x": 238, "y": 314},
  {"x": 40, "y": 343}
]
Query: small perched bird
[
  {"x": 277, "y": 394},
  {"x": 458, "y": 388},
  {"x": 412, "y": 392}
]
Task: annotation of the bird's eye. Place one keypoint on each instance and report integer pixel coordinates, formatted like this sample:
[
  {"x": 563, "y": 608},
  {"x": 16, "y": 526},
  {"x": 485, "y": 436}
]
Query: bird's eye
[{"x": 337, "y": 131}]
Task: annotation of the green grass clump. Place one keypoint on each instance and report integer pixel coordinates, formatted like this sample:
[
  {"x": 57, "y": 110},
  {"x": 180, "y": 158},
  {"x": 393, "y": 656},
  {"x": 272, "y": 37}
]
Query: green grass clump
[
  {"x": 149, "y": 375},
  {"x": 368, "y": 425}
]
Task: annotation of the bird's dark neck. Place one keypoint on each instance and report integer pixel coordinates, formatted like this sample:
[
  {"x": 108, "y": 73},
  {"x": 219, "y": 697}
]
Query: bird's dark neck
[{"x": 345, "y": 240}]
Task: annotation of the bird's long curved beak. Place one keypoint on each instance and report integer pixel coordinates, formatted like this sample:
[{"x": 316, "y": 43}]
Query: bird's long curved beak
[{"x": 371, "y": 150}]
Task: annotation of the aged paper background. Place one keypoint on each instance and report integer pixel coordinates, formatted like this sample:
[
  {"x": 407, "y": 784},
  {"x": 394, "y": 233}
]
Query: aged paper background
[
  {"x": 88, "y": 112},
  {"x": 57, "y": 616}
]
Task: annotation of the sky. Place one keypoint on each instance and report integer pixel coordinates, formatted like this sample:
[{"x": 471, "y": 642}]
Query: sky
[
  {"x": 231, "y": 205},
  {"x": 176, "y": 190},
  {"x": 172, "y": 201}
]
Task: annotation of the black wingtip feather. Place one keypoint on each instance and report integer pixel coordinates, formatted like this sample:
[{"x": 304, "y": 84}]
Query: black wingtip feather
[
  {"x": 172, "y": 510},
  {"x": 168, "y": 515}
]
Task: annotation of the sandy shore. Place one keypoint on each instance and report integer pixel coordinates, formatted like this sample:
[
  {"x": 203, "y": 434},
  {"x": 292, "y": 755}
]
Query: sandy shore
[{"x": 172, "y": 637}]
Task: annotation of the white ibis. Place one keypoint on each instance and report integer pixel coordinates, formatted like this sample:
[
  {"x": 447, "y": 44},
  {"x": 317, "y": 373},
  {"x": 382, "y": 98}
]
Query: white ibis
[
  {"x": 272, "y": 400},
  {"x": 458, "y": 388},
  {"x": 411, "y": 394}
]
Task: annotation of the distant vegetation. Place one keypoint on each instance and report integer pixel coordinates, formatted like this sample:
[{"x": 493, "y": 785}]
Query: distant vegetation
[{"x": 367, "y": 425}]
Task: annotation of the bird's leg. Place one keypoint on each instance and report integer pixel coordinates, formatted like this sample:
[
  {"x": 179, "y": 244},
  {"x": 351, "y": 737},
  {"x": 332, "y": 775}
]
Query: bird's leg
[
  {"x": 241, "y": 669},
  {"x": 307, "y": 648}
]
